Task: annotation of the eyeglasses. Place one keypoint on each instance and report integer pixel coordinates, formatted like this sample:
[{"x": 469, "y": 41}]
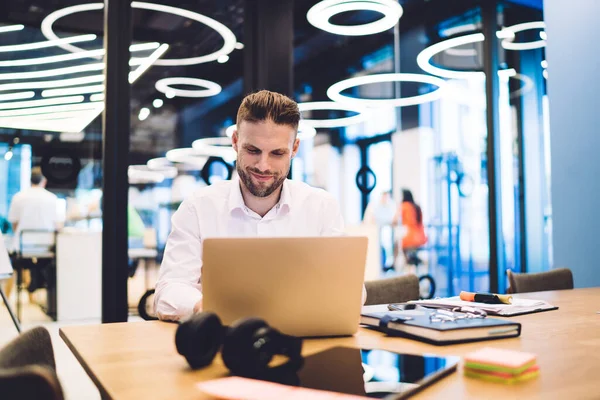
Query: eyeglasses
[{"x": 457, "y": 313}]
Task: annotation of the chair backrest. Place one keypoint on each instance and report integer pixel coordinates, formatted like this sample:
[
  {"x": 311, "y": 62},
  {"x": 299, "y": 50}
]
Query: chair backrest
[
  {"x": 28, "y": 368},
  {"x": 37, "y": 243},
  {"x": 556, "y": 279},
  {"x": 392, "y": 290}
]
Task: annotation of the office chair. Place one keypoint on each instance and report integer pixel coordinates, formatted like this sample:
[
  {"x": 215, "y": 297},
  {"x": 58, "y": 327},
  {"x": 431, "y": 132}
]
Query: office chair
[
  {"x": 36, "y": 253},
  {"x": 392, "y": 290},
  {"x": 28, "y": 368},
  {"x": 556, "y": 279}
]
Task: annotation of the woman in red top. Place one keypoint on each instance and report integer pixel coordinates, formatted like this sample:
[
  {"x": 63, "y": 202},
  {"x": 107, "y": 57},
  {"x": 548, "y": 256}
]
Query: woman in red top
[{"x": 412, "y": 219}]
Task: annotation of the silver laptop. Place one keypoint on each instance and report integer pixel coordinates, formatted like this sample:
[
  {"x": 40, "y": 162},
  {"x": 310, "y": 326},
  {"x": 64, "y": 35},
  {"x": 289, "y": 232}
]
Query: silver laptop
[{"x": 301, "y": 286}]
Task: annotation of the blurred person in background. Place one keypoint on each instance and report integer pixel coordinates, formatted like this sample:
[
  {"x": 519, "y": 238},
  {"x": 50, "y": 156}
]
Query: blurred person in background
[
  {"x": 412, "y": 221},
  {"x": 33, "y": 209}
]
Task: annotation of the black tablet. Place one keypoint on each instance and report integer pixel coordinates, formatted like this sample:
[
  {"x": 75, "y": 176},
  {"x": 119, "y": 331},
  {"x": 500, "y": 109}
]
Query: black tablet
[{"x": 378, "y": 374}]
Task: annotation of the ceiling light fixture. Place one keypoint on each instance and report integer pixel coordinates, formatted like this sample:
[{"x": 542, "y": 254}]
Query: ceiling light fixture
[
  {"x": 63, "y": 115},
  {"x": 72, "y": 56},
  {"x": 16, "y": 96},
  {"x": 508, "y": 34},
  {"x": 158, "y": 163},
  {"x": 425, "y": 56},
  {"x": 334, "y": 122},
  {"x": 525, "y": 88},
  {"x": 543, "y": 35},
  {"x": 544, "y": 64},
  {"x": 72, "y": 91},
  {"x": 229, "y": 38},
  {"x": 455, "y": 30},
  {"x": 43, "y": 102},
  {"x": 52, "y": 84},
  {"x": 215, "y": 147},
  {"x": 52, "y": 109},
  {"x": 320, "y": 14},
  {"x": 186, "y": 156},
  {"x": 148, "y": 62},
  {"x": 47, "y": 43},
  {"x": 157, "y": 103},
  {"x": 97, "y": 97},
  {"x": 335, "y": 91},
  {"x": 164, "y": 86},
  {"x": 9, "y": 154},
  {"x": 64, "y": 125},
  {"x": 52, "y": 72},
  {"x": 144, "y": 113},
  {"x": 545, "y": 73},
  {"x": 161, "y": 165},
  {"x": 67, "y": 117},
  {"x": 11, "y": 28},
  {"x": 305, "y": 130},
  {"x": 142, "y": 174}
]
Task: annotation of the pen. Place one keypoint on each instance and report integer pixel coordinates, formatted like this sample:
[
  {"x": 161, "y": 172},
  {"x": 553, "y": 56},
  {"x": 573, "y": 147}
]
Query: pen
[{"x": 489, "y": 298}]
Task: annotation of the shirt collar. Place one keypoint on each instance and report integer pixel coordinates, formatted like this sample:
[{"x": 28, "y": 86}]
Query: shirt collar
[{"x": 236, "y": 201}]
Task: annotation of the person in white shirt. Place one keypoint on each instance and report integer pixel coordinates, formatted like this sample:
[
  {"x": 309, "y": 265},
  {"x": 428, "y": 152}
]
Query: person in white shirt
[
  {"x": 260, "y": 202},
  {"x": 34, "y": 208}
]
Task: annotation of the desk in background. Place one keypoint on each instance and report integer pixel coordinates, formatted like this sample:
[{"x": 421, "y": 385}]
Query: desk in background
[{"x": 138, "y": 360}]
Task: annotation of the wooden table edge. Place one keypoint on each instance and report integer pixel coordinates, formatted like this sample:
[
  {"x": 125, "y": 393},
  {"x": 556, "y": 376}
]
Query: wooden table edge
[{"x": 103, "y": 392}]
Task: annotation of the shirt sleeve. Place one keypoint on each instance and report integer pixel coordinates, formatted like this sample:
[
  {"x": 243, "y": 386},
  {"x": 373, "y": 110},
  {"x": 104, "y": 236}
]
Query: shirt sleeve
[{"x": 178, "y": 287}]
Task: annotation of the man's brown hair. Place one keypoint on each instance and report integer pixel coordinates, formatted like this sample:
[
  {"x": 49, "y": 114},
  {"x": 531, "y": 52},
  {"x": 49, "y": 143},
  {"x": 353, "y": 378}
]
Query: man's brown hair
[{"x": 265, "y": 105}]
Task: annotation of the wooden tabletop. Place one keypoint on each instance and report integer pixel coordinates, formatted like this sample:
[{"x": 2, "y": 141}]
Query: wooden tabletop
[{"x": 138, "y": 360}]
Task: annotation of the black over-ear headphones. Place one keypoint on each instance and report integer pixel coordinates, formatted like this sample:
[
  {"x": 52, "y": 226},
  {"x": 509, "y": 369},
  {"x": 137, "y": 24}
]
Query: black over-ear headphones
[{"x": 247, "y": 346}]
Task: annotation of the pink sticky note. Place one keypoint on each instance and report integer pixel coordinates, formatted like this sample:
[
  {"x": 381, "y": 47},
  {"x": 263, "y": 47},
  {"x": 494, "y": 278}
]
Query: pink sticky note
[
  {"x": 236, "y": 388},
  {"x": 501, "y": 357}
]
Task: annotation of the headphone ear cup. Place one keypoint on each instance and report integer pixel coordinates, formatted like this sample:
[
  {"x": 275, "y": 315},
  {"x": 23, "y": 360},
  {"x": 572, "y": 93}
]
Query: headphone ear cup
[
  {"x": 199, "y": 338},
  {"x": 239, "y": 353}
]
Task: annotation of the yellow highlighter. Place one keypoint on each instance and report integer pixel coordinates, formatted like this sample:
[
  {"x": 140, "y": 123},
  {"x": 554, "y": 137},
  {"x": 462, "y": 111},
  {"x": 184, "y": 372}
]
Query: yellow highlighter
[{"x": 489, "y": 298}]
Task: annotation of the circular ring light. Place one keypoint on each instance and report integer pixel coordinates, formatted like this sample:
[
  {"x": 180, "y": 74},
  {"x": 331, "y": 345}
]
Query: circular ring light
[
  {"x": 425, "y": 56},
  {"x": 187, "y": 156},
  {"x": 525, "y": 88},
  {"x": 508, "y": 35},
  {"x": 320, "y": 14},
  {"x": 305, "y": 131},
  {"x": 210, "y": 88},
  {"x": 227, "y": 35},
  {"x": 335, "y": 91},
  {"x": 215, "y": 147},
  {"x": 335, "y": 122},
  {"x": 142, "y": 174},
  {"x": 164, "y": 166}
]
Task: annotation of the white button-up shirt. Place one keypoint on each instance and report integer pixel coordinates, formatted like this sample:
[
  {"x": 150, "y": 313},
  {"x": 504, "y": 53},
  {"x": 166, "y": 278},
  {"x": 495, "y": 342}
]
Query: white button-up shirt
[
  {"x": 34, "y": 208},
  {"x": 219, "y": 211}
]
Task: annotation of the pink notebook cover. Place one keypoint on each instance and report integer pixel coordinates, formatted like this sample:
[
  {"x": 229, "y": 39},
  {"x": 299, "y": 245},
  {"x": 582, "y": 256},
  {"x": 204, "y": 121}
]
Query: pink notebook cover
[
  {"x": 500, "y": 357},
  {"x": 236, "y": 388}
]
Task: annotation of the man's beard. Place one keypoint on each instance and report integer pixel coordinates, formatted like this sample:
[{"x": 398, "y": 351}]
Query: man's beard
[{"x": 259, "y": 190}]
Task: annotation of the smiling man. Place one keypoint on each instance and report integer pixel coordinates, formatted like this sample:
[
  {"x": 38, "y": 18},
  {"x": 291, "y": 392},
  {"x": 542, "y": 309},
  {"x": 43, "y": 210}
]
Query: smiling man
[{"x": 261, "y": 202}]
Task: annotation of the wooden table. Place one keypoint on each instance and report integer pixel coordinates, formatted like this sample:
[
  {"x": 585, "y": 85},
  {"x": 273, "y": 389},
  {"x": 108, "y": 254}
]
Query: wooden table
[{"x": 138, "y": 360}]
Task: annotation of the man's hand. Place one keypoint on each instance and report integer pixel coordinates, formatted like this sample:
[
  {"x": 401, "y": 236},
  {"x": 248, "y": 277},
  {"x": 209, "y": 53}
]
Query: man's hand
[{"x": 198, "y": 307}]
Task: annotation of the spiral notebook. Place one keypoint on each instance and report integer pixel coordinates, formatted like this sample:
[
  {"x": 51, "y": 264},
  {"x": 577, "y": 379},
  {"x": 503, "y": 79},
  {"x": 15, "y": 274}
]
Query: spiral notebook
[{"x": 422, "y": 325}]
